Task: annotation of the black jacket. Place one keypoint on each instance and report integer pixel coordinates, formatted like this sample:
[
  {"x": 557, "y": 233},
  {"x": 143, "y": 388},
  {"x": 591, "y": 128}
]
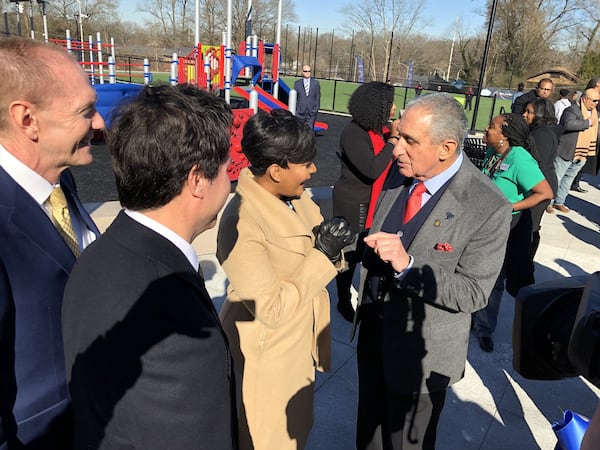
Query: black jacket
[{"x": 148, "y": 364}]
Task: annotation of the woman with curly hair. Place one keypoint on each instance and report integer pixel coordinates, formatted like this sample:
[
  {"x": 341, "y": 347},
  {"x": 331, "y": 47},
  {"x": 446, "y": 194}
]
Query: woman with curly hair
[
  {"x": 541, "y": 118},
  {"x": 511, "y": 162},
  {"x": 366, "y": 146}
]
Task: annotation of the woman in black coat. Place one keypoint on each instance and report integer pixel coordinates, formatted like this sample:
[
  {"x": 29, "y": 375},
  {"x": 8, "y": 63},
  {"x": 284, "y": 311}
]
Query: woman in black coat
[
  {"x": 366, "y": 146},
  {"x": 539, "y": 115}
]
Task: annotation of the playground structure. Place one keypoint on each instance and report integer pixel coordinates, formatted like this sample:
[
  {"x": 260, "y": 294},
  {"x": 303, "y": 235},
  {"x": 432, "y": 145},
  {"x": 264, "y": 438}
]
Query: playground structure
[
  {"x": 206, "y": 66},
  {"x": 209, "y": 67}
]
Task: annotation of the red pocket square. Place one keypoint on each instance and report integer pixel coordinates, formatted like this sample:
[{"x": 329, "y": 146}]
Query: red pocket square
[{"x": 444, "y": 247}]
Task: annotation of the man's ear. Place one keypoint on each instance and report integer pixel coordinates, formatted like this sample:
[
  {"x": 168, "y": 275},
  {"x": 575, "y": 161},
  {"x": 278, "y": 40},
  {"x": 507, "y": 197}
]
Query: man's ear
[
  {"x": 196, "y": 183},
  {"x": 447, "y": 149},
  {"x": 21, "y": 114},
  {"x": 274, "y": 171}
]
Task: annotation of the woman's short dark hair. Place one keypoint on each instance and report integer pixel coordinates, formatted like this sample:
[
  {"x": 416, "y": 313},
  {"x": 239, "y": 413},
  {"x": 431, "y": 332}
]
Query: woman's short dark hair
[
  {"x": 160, "y": 136},
  {"x": 370, "y": 105},
  {"x": 278, "y": 138},
  {"x": 516, "y": 131},
  {"x": 544, "y": 113}
]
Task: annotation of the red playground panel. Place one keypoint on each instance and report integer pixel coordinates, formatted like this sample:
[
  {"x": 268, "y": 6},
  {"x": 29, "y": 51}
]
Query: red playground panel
[{"x": 238, "y": 159}]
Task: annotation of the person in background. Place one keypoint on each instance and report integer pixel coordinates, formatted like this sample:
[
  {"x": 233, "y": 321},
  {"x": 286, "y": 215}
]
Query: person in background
[
  {"x": 543, "y": 89},
  {"x": 580, "y": 121},
  {"x": 541, "y": 118},
  {"x": 47, "y": 120},
  {"x": 366, "y": 146},
  {"x": 591, "y": 165},
  {"x": 309, "y": 97},
  {"x": 434, "y": 251},
  {"x": 562, "y": 103},
  {"x": 520, "y": 88},
  {"x": 469, "y": 98},
  {"x": 147, "y": 360},
  {"x": 418, "y": 89},
  {"x": 511, "y": 162},
  {"x": 276, "y": 314}
]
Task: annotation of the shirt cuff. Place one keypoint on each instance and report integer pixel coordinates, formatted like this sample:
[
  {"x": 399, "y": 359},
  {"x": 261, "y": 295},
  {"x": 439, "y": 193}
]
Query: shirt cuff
[{"x": 399, "y": 275}]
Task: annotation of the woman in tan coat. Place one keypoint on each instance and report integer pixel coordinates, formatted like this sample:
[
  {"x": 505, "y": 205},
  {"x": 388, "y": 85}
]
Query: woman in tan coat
[{"x": 276, "y": 315}]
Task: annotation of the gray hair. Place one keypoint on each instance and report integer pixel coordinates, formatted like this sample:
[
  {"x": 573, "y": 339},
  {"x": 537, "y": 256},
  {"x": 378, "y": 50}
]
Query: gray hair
[{"x": 448, "y": 119}]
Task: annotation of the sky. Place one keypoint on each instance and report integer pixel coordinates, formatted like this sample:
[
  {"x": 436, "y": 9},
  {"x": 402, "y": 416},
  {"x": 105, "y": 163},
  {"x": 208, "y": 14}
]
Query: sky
[{"x": 326, "y": 15}]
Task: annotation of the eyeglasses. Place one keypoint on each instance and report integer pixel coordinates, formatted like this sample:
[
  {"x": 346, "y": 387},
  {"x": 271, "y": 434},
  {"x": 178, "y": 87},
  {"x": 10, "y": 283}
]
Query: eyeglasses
[{"x": 306, "y": 71}]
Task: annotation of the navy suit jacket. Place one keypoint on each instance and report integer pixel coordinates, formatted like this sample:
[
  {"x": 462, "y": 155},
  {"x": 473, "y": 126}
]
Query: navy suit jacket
[
  {"x": 308, "y": 105},
  {"x": 34, "y": 265}
]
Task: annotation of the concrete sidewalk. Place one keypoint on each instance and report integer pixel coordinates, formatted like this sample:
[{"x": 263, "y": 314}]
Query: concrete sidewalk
[{"x": 492, "y": 408}]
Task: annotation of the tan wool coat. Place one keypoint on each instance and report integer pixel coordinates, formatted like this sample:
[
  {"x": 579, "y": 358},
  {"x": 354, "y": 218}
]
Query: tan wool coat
[{"x": 276, "y": 315}]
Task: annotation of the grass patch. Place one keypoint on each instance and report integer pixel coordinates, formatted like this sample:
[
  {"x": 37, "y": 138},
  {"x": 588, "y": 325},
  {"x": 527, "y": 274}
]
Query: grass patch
[{"x": 335, "y": 95}]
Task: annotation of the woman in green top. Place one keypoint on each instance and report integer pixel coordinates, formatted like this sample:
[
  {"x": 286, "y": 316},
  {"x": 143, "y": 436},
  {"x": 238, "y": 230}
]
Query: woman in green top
[{"x": 511, "y": 164}]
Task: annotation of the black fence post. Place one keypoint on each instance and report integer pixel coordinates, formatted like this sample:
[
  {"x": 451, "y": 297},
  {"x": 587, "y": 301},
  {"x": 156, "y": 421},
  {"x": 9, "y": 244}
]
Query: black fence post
[{"x": 334, "y": 91}]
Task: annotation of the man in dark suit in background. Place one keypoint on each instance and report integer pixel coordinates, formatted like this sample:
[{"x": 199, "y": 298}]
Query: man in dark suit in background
[
  {"x": 47, "y": 119},
  {"x": 147, "y": 361},
  {"x": 309, "y": 97},
  {"x": 434, "y": 252},
  {"x": 543, "y": 89}
]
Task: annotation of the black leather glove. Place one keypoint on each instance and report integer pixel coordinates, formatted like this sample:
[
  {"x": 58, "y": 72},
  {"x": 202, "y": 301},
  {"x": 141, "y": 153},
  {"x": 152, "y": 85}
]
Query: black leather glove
[{"x": 332, "y": 236}]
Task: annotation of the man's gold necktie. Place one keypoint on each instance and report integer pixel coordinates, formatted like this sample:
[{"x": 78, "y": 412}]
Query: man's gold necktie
[{"x": 62, "y": 219}]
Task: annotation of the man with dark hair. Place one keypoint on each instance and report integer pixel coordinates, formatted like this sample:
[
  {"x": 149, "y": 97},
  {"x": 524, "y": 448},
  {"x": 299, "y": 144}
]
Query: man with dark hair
[
  {"x": 147, "y": 360},
  {"x": 434, "y": 252},
  {"x": 520, "y": 88},
  {"x": 543, "y": 89},
  {"x": 47, "y": 120},
  {"x": 562, "y": 103}
]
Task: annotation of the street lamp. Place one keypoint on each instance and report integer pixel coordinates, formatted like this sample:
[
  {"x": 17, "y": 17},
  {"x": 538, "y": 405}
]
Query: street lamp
[
  {"x": 80, "y": 18},
  {"x": 43, "y": 3}
]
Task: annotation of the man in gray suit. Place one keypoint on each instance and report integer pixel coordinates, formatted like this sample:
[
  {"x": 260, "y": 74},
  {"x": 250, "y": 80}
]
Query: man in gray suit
[
  {"x": 309, "y": 97},
  {"x": 434, "y": 252}
]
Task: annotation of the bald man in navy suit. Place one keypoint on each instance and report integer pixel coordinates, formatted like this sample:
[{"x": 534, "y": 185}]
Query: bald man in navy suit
[
  {"x": 47, "y": 120},
  {"x": 309, "y": 97}
]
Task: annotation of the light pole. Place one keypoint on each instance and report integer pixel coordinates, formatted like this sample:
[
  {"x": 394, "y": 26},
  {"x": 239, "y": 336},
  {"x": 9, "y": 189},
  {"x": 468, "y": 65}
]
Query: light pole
[
  {"x": 80, "y": 18},
  {"x": 43, "y": 3},
  {"x": 80, "y": 22}
]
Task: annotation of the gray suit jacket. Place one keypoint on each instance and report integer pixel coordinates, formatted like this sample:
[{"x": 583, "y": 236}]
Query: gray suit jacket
[{"x": 427, "y": 313}]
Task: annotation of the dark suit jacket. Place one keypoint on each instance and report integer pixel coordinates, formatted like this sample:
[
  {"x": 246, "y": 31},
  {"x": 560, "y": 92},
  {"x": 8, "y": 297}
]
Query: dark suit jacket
[
  {"x": 308, "y": 105},
  {"x": 34, "y": 265},
  {"x": 427, "y": 314},
  {"x": 573, "y": 122},
  {"x": 147, "y": 361},
  {"x": 518, "y": 107}
]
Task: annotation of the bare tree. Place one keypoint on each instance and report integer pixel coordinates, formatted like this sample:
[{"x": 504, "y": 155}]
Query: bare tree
[
  {"x": 378, "y": 18},
  {"x": 527, "y": 32},
  {"x": 171, "y": 16}
]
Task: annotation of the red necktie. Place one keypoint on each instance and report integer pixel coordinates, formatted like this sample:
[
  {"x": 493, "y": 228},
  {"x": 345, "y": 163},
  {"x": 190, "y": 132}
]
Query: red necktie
[{"x": 413, "y": 204}]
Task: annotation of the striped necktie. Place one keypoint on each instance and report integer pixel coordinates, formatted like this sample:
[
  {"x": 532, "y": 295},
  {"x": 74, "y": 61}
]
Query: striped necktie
[
  {"x": 62, "y": 219},
  {"x": 306, "y": 87}
]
